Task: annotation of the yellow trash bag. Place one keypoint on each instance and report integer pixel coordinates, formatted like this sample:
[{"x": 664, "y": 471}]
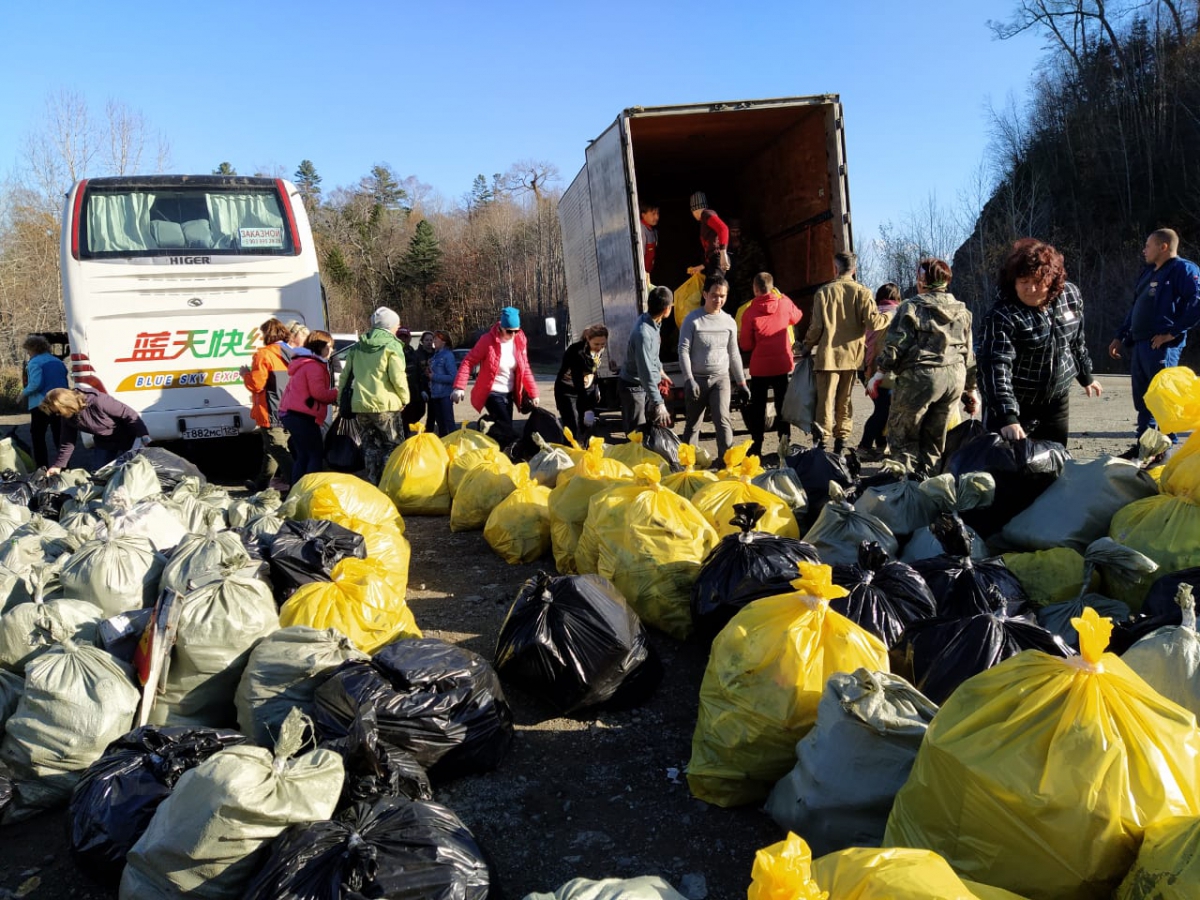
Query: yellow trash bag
[
  {"x": 1173, "y": 398},
  {"x": 715, "y": 501},
  {"x": 461, "y": 461},
  {"x": 1168, "y": 863},
  {"x": 1164, "y": 528},
  {"x": 765, "y": 676},
  {"x": 633, "y": 454},
  {"x": 518, "y": 529},
  {"x": 469, "y": 439},
  {"x": 482, "y": 489},
  {"x": 332, "y": 496},
  {"x": 570, "y": 497},
  {"x": 363, "y": 602},
  {"x": 688, "y": 481},
  {"x": 1041, "y": 774},
  {"x": 1048, "y": 576},
  {"x": 650, "y": 543},
  {"x": 388, "y": 545},
  {"x": 415, "y": 476},
  {"x": 783, "y": 871},
  {"x": 688, "y": 296}
]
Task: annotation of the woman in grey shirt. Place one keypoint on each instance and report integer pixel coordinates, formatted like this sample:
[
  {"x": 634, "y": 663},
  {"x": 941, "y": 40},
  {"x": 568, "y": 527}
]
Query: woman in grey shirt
[{"x": 709, "y": 359}]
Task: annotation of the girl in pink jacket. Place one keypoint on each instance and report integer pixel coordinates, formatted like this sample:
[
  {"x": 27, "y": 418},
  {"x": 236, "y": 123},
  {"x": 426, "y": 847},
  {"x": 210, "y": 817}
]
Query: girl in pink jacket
[
  {"x": 504, "y": 375},
  {"x": 305, "y": 404}
]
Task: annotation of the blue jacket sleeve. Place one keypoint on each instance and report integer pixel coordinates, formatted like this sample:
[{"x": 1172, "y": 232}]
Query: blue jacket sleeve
[
  {"x": 1185, "y": 290},
  {"x": 34, "y": 368}
]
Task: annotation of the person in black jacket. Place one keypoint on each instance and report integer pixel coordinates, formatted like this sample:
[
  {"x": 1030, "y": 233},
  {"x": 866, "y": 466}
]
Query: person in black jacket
[
  {"x": 1032, "y": 347},
  {"x": 576, "y": 391}
]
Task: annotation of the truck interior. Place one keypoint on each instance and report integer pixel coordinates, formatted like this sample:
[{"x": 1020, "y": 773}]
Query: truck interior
[{"x": 765, "y": 170}]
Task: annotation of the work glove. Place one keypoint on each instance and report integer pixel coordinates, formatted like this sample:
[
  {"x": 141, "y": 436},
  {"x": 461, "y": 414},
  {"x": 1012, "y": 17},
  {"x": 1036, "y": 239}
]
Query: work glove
[
  {"x": 661, "y": 416},
  {"x": 536, "y": 401},
  {"x": 693, "y": 389},
  {"x": 873, "y": 385},
  {"x": 141, "y": 443},
  {"x": 589, "y": 419},
  {"x": 457, "y": 396},
  {"x": 970, "y": 400}
]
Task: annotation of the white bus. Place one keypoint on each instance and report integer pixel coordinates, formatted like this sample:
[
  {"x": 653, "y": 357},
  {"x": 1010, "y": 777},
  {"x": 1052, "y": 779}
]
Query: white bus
[{"x": 166, "y": 280}]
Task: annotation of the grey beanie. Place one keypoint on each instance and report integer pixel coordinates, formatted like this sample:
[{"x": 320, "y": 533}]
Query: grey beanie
[{"x": 698, "y": 201}]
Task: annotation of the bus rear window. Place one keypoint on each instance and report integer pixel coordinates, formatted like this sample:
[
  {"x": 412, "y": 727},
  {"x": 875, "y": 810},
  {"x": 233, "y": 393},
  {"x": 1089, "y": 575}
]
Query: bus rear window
[{"x": 123, "y": 223}]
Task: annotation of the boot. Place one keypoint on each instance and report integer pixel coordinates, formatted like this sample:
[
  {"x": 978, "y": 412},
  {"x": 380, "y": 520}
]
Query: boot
[{"x": 838, "y": 446}]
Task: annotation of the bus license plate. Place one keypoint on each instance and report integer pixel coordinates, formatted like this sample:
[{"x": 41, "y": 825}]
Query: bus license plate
[{"x": 210, "y": 431}]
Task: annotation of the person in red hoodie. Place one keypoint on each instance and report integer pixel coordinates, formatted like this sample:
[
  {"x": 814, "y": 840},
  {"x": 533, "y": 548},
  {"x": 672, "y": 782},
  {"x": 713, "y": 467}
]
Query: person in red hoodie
[
  {"x": 305, "y": 403},
  {"x": 504, "y": 375},
  {"x": 766, "y": 334}
]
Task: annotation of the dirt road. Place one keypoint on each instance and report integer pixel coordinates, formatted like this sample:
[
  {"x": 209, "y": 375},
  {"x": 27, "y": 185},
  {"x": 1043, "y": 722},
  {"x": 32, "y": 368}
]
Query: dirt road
[{"x": 594, "y": 796}]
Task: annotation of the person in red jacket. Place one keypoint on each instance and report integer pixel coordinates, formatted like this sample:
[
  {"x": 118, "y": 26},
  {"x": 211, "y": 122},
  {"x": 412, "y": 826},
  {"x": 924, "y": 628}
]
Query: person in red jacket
[
  {"x": 305, "y": 403},
  {"x": 504, "y": 375},
  {"x": 714, "y": 237},
  {"x": 766, "y": 334}
]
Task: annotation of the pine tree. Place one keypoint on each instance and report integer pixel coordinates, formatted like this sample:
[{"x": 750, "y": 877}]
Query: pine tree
[
  {"x": 308, "y": 182},
  {"x": 481, "y": 194},
  {"x": 225, "y": 169},
  {"x": 422, "y": 264},
  {"x": 383, "y": 187}
]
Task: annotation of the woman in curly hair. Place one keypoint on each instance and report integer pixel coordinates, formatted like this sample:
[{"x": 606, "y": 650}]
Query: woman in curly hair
[{"x": 1032, "y": 346}]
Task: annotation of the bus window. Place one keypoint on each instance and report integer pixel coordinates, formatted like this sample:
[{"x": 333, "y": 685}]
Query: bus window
[{"x": 118, "y": 223}]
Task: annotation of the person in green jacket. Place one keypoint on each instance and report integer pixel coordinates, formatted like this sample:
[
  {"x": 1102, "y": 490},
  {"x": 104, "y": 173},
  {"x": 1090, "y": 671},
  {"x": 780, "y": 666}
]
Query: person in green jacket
[{"x": 378, "y": 384}]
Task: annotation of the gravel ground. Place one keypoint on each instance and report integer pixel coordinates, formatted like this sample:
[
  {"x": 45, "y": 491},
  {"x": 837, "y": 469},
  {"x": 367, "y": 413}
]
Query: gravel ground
[{"x": 597, "y": 795}]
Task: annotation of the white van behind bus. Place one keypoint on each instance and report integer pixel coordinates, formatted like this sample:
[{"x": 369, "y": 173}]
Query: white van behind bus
[{"x": 166, "y": 280}]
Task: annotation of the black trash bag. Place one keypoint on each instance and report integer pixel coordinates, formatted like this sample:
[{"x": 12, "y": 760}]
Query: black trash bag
[
  {"x": 441, "y": 703},
  {"x": 817, "y": 469},
  {"x": 743, "y": 568},
  {"x": 1159, "y": 610},
  {"x": 963, "y": 586},
  {"x": 306, "y": 551},
  {"x": 1023, "y": 470},
  {"x": 113, "y": 803},
  {"x": 171, "y": 468},
  {"x": 957, "y": 436},
  {"x": 374, "y": 768},
  {"x": 540, "y": 422},
  {"x": 6, "y": 789},
  {"x": 16, "y": 488},
  {"x": 886, "y": 596},
  {"x": 393, "y": 848},
  {"x": 571, "y": 641},
  {"x": 945, "y": 652},
  {"x": 664, "y": 442},
  {"x": 48, "y": 504},
  {"x": 343, "y": 446}
]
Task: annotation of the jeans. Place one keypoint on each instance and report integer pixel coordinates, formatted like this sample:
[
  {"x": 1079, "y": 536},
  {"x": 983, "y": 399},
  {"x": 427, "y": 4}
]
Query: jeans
[
  {"x": 441, "y": 416},
  {"x": 308, "y": 449},
  {"x": 39, "y": 423},
  {"x": 500, "y": 408},
  {"x": 756, "y": 412},
  {"x": 1144, "y": 363},
  {"x": 874, "y": 431},
  {"x": 714, "y": 396}
]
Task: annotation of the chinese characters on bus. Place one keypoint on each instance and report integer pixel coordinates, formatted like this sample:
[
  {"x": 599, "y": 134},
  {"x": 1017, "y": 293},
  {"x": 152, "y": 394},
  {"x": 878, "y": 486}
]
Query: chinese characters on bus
[{"x": 197, "y": 343}]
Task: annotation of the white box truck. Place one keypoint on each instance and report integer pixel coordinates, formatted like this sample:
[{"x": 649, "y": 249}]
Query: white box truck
[{"x": 778, "y": 167}]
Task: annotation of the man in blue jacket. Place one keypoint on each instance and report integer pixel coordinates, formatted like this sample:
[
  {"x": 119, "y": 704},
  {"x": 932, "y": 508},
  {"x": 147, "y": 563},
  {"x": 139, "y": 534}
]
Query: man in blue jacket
[
  {"x": 642, "y": 371},
  {"x": 1166, "y": 306}
]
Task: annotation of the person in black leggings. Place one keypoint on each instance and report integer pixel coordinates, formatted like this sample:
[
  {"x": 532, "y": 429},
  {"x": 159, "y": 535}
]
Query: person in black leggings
[{"x": 576, "y": 391}]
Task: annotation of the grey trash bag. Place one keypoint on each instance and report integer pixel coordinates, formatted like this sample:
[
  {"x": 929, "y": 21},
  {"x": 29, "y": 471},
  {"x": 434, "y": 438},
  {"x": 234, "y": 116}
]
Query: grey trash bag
[
  {"x": 649, "y": 887},
  {"x": 36, "y": 543},
  {"x": 1109, "y": 556},
  {"x": 149, "y": 519},
  {"x": 220, "y": 621},
  {"x": 136, "y": 479},
  {"x": 118, "y": 573},
  {"x": 1079, "y": 506},
  {"x": 973, "y": 490},
  {"x": 800, "y": 400},
  {"x": 264, "y": 527},
  {"x": 28, "y": 630},
  {"x": 199, "y": 556},
  {"x": 284, "y": 671},
  {"x": 1169, "y": 659},
  {"x": 195, "y": 516},
  {"x": 840, "y": 528},
  {"x": 12, "y": 459},
  {"x": 12, "y": 517},
  {"x": 784, "y": 483},
  {"x": 77, "y": 700},
  {"x": 548, "y": 463},
  {"x": 905, "y": 505},
  {"x": 242, "y": 511},
  {"x": 210, "y": 836},
  {"x": 850, "y": 766}
]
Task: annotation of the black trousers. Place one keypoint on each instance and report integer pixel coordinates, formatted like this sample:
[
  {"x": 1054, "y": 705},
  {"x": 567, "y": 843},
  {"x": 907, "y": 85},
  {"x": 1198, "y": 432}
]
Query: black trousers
[
  {"x": 39, "y": 423},
  {"x": 1049, "y": 421},
  {"x": 756, "y": 412}
]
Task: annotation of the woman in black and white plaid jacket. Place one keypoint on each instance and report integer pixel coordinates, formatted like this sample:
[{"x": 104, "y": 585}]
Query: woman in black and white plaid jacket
[{"x": 1032, "y": 347}]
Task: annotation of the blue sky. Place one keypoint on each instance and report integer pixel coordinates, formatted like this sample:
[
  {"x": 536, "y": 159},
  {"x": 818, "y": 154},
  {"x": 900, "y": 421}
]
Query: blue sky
[{"x": 446, "y": 90}]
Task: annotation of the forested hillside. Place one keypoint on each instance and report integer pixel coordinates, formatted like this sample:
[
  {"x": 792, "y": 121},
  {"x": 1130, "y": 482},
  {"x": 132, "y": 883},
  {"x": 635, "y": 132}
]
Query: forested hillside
[{"x": 1107, "y": 150}]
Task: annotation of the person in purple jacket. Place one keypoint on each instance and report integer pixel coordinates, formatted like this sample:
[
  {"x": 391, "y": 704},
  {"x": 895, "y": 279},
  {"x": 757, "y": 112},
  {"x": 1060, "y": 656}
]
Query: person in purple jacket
[{"x": 115, "y": 427}]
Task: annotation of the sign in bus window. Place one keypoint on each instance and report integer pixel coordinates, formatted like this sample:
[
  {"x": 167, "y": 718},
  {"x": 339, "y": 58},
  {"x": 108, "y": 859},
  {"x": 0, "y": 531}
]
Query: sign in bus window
[{"x": 261, "y": 238}]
